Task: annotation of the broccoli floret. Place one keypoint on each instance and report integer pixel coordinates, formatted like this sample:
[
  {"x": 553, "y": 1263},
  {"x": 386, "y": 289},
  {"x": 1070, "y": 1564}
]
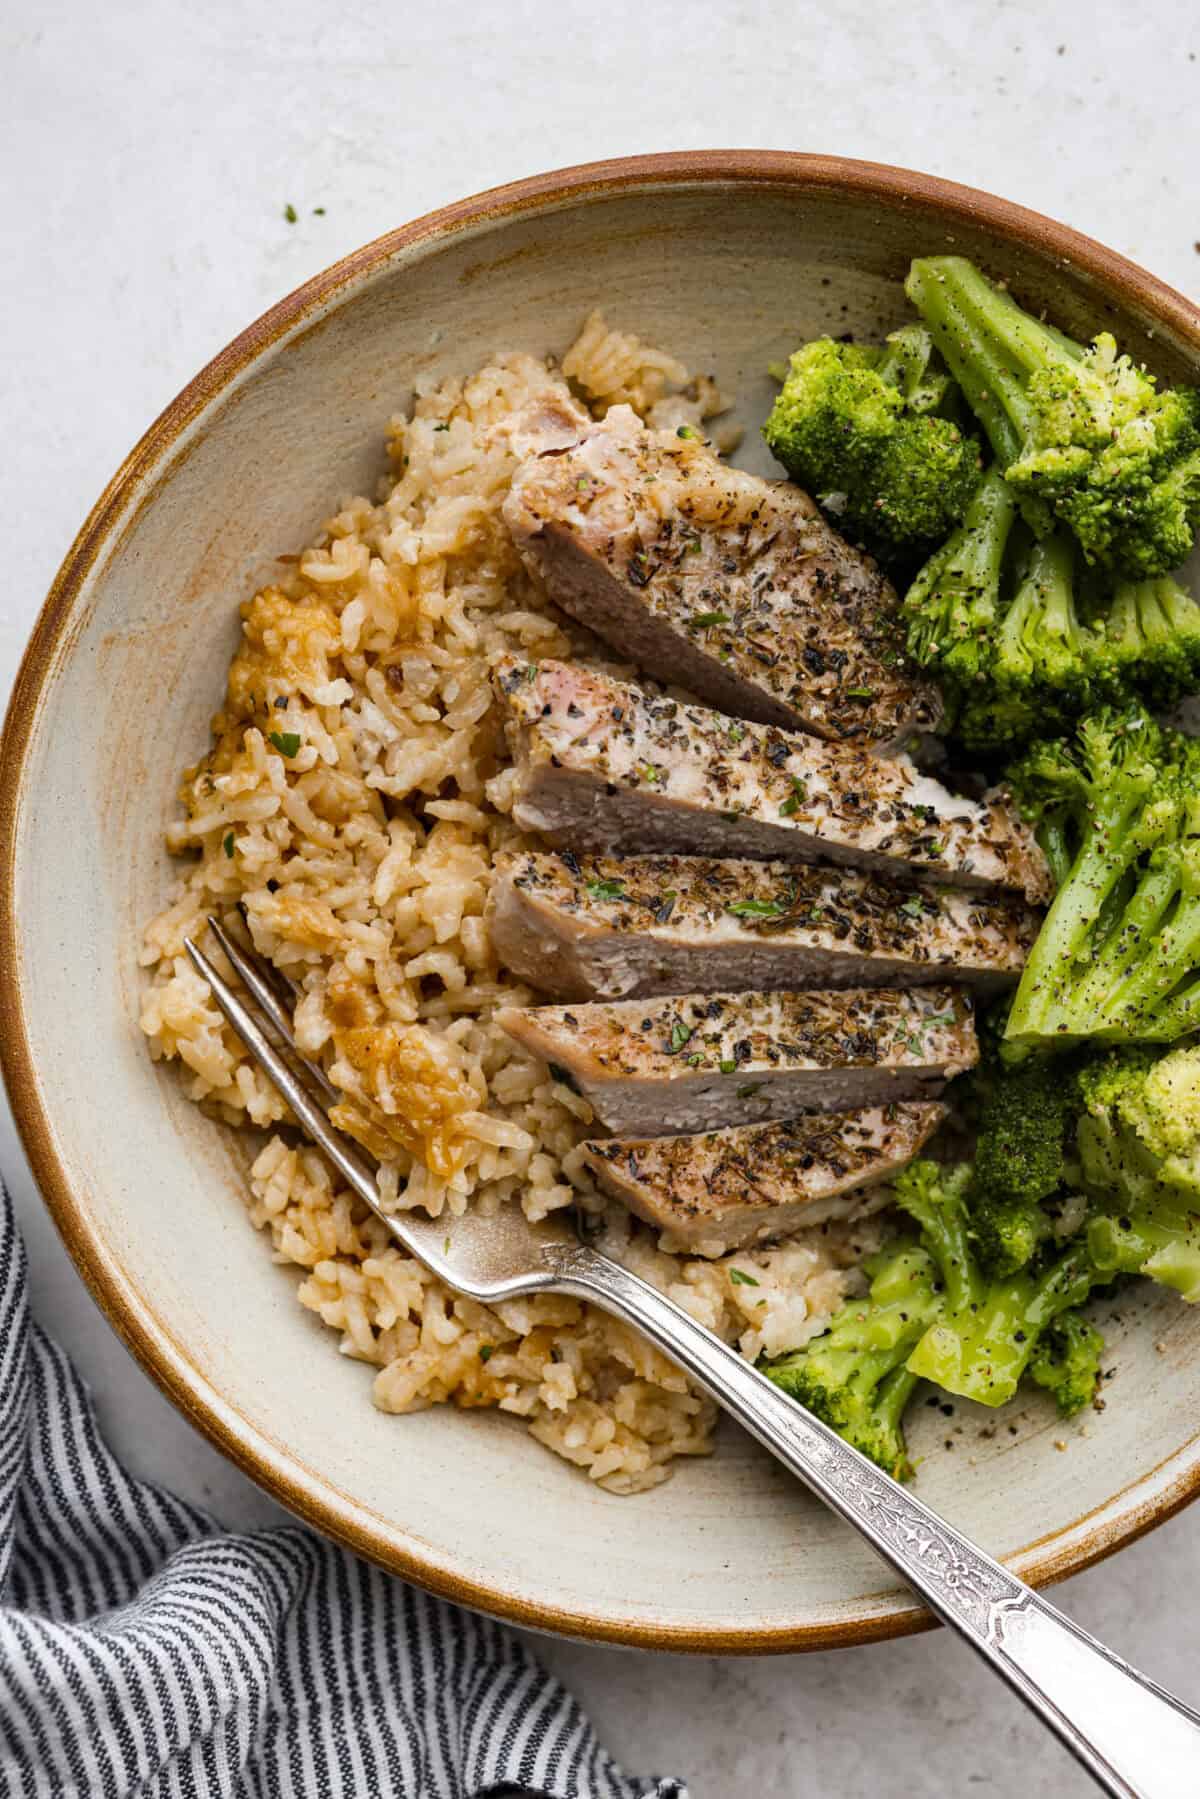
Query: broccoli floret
[
  {"x": 1020, "y": 1162},
  {"x": 853, "y": 1376},
  {"x": 1068, "y": 1362},
  {"x": 987, "y": 1331},
  {"x": 1150, "y": 640},
  {"x": 864, "y": 430},
  {"x": 1139, "y": 1154},
  {"x": 1082, "y": 434},
  {"x": 952, "y": 607},
  {"x": 1044, "y": 666},
  {"x": 1117, "y": 810}
]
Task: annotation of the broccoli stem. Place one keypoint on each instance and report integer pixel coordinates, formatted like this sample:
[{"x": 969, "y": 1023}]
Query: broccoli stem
[
  {"x": 990, "y": 345},
  {"x": 1040, "y": 635},
  {"x": 952, "y": 605},
  {"x": 982, "y": 1352},
  {"x": 1046, "y": 1004},
  {"x": 1161, "y": 1241}
]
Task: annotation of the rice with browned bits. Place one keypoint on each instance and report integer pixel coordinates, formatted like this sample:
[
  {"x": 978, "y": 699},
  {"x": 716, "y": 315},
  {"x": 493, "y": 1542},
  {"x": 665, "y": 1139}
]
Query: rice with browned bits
[{"x": 355, "y": 797}]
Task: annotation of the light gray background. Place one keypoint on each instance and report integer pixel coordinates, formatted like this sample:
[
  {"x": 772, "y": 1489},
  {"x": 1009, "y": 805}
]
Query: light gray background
[{"x": 148, "y": 151}]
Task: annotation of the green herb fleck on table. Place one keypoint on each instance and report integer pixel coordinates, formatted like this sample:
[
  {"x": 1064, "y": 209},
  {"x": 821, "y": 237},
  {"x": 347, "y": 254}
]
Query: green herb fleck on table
[{"x": 290, "y": 213}]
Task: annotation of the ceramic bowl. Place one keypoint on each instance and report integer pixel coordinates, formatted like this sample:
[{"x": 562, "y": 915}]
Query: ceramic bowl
[{"x": 727, "y": 259}]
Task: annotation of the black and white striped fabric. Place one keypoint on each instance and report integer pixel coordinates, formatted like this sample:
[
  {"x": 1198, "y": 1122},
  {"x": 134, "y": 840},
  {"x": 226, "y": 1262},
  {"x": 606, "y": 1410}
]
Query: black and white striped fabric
[{"x": 144, "y": 1651}]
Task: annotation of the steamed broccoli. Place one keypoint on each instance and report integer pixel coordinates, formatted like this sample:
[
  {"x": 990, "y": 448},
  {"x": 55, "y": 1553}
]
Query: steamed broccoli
[
  {"x": 1117, "y": 810},
  {"x": 1023, "y": 644},
  {"x": 853, "y": 1376},
  {"x": 987, "y": 1331},
  {"x": 1067, "y": 1362},
  {"x": 952, "y": 607},
  {"x": 1020, "y": 1164},
  {"x": 1151, "y": 640},
  {"x": 1138, "y": 1143},
  {"x": 1042, "y": 665},
  {"x": 1083, "y": 435},
  {"x": 865, "y": 430}
]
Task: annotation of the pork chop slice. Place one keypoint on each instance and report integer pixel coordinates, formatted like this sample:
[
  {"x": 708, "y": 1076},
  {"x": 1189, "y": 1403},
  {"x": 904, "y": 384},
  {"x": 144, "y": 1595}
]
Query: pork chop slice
[
  {"x": 608, "y": 768},
  {"x": 733, "y": 1188},
  {"x": 595, "y": 927},
  {"x": 658, "y": 1067},
  {"x": 712, "y": 578}
]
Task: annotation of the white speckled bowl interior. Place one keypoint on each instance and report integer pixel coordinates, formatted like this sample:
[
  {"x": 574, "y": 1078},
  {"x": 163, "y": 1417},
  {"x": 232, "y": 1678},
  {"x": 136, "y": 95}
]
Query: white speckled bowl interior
[{"x": 727, "y": 260}]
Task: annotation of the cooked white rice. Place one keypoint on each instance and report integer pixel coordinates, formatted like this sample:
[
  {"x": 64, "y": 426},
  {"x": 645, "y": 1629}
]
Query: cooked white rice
[{"x": 354, "y": 799}]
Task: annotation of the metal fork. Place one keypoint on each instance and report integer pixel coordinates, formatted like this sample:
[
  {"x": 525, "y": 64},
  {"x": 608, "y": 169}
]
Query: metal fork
[{"x": 1134, "y": 1738}]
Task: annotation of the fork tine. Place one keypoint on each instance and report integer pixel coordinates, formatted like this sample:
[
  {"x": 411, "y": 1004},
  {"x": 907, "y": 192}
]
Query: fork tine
[
  {"x": 349, "y": 1164},
  {"x": 251, "y": 972},
  {"x": 284, "y": 987}
]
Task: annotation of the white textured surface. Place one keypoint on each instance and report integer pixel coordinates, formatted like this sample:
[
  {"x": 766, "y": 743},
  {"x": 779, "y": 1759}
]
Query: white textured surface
[{"x": 148, "y": 151}]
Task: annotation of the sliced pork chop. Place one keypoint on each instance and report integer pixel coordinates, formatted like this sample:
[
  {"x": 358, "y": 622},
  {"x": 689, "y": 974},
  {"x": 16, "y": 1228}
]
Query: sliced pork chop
[
  {"x": 607, "y": 768},
  {"x": 587, "y": 927},
  {"x": 712, "y": 578},
  {"x": 729, "y": 1189},
  {"x": 656, "y": 1067}
]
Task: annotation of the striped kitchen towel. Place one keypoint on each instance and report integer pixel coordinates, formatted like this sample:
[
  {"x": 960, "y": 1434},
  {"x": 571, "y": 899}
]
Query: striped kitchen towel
[{"x": 144, "y": 1651}]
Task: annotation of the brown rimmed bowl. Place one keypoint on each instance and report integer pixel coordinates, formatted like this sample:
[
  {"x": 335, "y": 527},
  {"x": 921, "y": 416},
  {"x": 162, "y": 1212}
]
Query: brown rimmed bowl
[{"x": 728, "y": 258}]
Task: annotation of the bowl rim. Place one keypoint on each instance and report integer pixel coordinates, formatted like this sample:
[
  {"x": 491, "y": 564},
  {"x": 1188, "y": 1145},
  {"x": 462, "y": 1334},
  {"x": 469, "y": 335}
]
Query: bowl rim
[{"x": 1147, "y": 1501}]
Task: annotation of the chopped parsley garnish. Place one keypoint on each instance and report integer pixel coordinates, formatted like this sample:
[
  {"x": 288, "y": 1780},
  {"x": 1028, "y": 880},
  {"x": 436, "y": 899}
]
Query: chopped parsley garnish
[
  {"x": 290, "y": 213},
  {"x": 736, "y": 732},
  {"x": 680, "y": 1034},
  {"x": 286, "y": 742},
  {"x": 227, "y": 844},
  {"x": 768, "y": 908},
  {"x": 795, "y": 798},
  {"x": 711, "y": 618},
  {"x": 486, "y": 1351},
  {"x": 531, "y": 672},
  {"x": 686, "y": 431},
  {"x": 740, "y": 1278},
  {"x": 649, "y": 773},
  {"x": 728, "y": 1067},
  {"x": 916, "y": 1041},
  {"x": 692, "y": 547},
  {"x": 606, "y": 890},
  {"x": 916, "y": 907},
  {"x": 695, "y": 1061},
  {"x": 860, "y": 693}
]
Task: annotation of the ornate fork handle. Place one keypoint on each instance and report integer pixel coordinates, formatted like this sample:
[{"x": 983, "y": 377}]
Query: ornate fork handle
[{"x": 1137, "y": 1741}]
